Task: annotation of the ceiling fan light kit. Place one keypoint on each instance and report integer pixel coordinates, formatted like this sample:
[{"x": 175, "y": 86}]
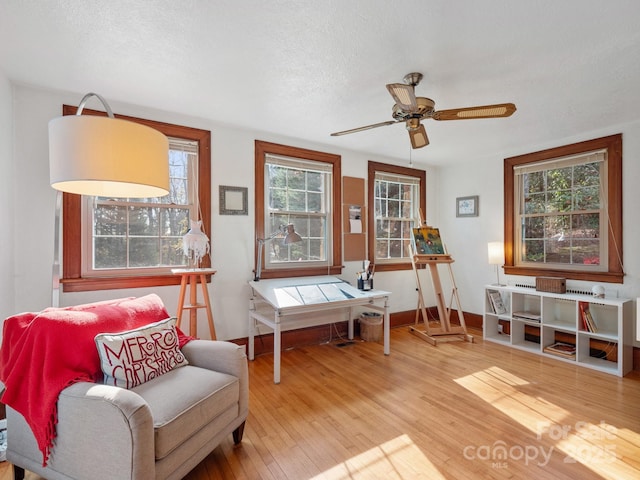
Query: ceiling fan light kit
[{"x": 411, "y": 109}]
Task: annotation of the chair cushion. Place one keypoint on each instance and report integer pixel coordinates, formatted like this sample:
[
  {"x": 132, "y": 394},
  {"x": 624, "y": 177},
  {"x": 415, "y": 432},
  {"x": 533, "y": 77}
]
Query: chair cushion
[
  {"x": 136, "y": 356},
  {"x": 184, "y": 400}
]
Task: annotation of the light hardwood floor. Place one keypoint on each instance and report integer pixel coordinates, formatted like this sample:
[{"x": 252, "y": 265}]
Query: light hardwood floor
[{"x": 455, "y": 411}]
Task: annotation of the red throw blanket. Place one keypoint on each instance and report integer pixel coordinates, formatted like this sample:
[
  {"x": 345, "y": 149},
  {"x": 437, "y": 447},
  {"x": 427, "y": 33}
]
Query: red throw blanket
[{"x": 43, "y": 353}]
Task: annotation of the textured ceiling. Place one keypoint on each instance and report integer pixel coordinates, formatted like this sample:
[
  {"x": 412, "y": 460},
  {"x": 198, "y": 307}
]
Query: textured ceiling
[{"x": 306, "y": 69}]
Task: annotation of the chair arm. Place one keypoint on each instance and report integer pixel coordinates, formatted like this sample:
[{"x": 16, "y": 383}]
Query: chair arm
[
  {"x": 221, "y": 356},
  {"x": 103, "y": 432}
]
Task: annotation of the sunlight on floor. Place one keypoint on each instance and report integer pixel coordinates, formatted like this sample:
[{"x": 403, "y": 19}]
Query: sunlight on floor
[
  {"x": 397, "y": 459},
  {"x": 600, "y": 447}
]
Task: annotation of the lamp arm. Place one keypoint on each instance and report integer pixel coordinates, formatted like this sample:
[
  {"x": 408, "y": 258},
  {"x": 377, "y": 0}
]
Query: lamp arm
[
  {"x": 102, "y": 100},
  {"x": 55, "y": 273},
  {"x": 261, "y": 242}
]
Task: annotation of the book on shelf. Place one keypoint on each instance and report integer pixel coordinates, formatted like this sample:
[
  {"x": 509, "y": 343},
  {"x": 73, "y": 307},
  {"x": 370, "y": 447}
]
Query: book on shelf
[
  {"x": 504, "y": 327},
  {"x": 588, "y": 324},
  {"x": 562, "y": 349},
  {"x": 495, "y": 299},
  {"x": 529, "y": 316}
]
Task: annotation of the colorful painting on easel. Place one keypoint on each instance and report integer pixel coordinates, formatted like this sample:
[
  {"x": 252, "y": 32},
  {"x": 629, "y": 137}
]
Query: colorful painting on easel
[{"x": 427, "y": 241}]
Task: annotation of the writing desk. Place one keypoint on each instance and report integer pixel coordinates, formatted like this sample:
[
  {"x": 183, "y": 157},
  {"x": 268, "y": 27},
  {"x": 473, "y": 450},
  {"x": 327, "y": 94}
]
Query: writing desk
[{"x": 282, "y": 304}]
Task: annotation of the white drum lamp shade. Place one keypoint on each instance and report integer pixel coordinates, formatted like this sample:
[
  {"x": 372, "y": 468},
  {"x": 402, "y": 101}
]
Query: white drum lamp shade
[
  {"x": 107, "y": 156},
  {"x": 103, "y": 157},
  {"x": 495, "y": 252}
]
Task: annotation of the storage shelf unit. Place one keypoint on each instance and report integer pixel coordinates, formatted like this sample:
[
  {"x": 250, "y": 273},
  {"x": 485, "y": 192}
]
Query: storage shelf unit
[{"x": 534, "y": 320}]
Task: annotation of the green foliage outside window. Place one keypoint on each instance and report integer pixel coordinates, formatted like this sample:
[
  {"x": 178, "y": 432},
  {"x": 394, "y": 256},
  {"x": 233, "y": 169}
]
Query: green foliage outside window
[
  {"x": 297, "y": 196},
  {"x": 561, "y": 220},
  {"x": 144, "y": 232}
]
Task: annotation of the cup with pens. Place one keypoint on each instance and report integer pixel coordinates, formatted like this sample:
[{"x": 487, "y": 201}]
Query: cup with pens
[{"x": 365, "y": 277}]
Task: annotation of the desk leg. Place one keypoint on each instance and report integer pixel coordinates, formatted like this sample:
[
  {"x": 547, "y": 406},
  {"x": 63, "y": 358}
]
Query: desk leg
[
  {"x": 386, "y": 329},
  {"x": 252, "y": 326},
  {"x": 350, "y": 324},
  {"x": 277, "y": 348}
]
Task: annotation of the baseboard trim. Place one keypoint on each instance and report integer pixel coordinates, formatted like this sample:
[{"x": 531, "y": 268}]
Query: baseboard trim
[{"x": 325, "y": 333}]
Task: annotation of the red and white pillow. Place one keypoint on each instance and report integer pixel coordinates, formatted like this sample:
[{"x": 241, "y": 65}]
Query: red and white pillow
[{"x": 131, "y": 358}]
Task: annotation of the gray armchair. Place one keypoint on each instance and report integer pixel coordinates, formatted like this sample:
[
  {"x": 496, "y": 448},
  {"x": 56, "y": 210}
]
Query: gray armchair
[{"x": 158, "y": 430}]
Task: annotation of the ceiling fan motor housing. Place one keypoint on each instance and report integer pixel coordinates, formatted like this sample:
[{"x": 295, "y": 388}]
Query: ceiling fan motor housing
[{"x": 425, "y": 109}]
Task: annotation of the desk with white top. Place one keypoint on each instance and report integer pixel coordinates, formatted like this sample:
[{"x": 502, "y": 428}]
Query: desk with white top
[{"x": 281, "y": 303}]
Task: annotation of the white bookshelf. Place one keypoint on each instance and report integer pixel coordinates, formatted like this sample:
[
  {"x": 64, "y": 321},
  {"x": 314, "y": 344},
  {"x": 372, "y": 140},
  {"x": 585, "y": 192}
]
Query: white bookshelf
[{"x": 534, "y": 320}]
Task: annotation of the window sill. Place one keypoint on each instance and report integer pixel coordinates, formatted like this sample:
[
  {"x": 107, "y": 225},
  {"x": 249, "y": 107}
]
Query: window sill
[
  {"x": 116, "y": 283},
  {"x": 391, "y": 267},
  {"x": 301, "y": 272},
  {"x": 607, "y": 277}
]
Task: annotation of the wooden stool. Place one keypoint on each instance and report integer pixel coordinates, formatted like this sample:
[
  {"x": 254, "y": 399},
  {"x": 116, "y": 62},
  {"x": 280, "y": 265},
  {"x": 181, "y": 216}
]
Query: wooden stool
[{"x": 192, "y": 275}]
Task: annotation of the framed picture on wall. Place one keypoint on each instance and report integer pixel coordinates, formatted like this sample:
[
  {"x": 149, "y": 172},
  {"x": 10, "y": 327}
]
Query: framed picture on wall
[
  {"x": 233, "y": 200},
  {"x": 467, "y": 206}
]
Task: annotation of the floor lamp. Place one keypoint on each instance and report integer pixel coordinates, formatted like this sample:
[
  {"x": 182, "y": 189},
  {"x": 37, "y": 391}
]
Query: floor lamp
[{"x": 103, "y": 156}]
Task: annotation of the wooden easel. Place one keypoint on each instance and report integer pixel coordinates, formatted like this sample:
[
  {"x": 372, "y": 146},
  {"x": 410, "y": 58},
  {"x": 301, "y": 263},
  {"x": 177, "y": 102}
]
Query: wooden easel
[
  {"x": 191, "y": 277},
  {"x": 445, "y": 332}
]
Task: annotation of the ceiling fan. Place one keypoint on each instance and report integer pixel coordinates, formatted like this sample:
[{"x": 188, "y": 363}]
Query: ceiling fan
[{"x": 411, "y": 110}]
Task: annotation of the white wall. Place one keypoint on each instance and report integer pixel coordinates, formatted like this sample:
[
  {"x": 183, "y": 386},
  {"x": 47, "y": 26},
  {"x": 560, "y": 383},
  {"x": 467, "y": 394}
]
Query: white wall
[
  {"x": 26, "y": 262},
  {"x": 467, "y": 238},
  {"x": 7, "y": 303},
  {"x": 232, "y": 164}
]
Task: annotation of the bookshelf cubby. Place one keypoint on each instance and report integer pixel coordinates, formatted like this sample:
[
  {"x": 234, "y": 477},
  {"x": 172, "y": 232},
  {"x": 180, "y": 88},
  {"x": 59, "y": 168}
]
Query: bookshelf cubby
[{"x": 535, "y": 320}]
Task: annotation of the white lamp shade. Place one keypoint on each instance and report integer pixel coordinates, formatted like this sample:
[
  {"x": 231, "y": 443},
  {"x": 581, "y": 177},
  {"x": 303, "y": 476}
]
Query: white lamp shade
[
  {"x": 496, "y": 253},
  {"x": 110, "y": 157}
]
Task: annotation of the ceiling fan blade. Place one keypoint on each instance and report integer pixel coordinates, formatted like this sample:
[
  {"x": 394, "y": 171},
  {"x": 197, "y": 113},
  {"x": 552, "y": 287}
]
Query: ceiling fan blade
[
  {"x": 367, "y": 127},
  {"x": 485, "y": 111},
  {"x": 419, "y": 137},
  {"x": 404, "y": 96}
]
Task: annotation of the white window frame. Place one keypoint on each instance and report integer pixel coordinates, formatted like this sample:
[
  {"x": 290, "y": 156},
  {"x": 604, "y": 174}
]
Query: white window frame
[
  {"x": 599, "y": 156},
  {"x": 381, "y": 205},
  {"x": 89, "y": 203},
  {"x": 298, "y": 217}
]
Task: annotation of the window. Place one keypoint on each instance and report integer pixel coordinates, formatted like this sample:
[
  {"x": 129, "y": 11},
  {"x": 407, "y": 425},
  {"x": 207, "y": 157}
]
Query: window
[
  {"x": 111, "y": 243},
  {"x": 563, "y": 212},
  {"x": 397, "y": 196},
  {"x": 143, "y": 235},
  {"x": 299, "y": 187}
]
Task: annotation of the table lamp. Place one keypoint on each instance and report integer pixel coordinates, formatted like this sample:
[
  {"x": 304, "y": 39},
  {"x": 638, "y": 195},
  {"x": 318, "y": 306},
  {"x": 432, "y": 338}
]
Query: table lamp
[
  {"x": 496, "y": 257},
  {"x": 290, "y": 236}
]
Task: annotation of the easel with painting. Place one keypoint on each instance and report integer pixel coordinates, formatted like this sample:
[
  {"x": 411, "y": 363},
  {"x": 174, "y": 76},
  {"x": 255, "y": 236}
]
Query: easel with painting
[{"x": 428, "y": 249}]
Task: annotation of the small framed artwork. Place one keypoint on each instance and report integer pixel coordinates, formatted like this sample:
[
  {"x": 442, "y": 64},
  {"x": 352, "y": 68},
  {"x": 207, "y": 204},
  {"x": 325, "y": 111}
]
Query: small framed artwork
[
  {"x": 467, "y": 206},
  {"x": 233, "y": 200}
]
